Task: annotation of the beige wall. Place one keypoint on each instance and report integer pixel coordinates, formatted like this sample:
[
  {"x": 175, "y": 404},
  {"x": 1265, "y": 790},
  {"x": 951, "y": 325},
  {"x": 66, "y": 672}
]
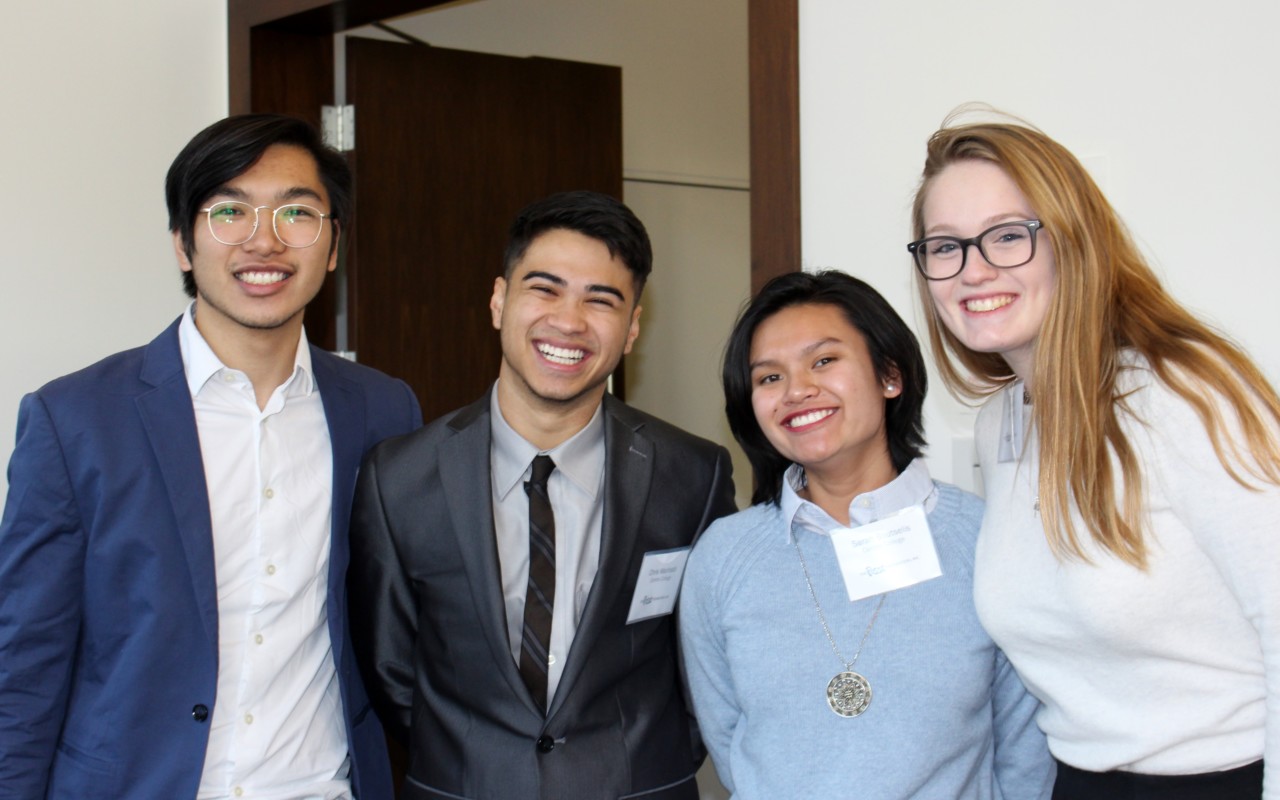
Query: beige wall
[
  {"x": 700, "y": 280},
  {"x": 97, "y": 100}
]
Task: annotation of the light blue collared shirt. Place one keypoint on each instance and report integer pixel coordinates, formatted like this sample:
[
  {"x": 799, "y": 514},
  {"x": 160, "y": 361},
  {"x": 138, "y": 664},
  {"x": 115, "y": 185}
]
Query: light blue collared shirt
[{"x": 911, "y": 488}]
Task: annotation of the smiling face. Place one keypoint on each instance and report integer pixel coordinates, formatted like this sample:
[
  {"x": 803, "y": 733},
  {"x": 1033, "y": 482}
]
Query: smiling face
[
  {"x": 817, "y": 397},
  {"x": 260, "y": 285},
  {"x": 989, "y": 310},
  {"x": 567, "y": 315}
]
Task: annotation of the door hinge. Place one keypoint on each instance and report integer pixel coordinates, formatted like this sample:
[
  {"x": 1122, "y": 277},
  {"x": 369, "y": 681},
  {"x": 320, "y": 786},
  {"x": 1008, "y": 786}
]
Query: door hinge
[{"x": 338, "y": 125}]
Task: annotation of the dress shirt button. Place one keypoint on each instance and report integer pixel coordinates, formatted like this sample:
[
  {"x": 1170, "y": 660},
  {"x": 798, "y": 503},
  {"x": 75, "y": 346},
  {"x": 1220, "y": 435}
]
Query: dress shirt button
[
  {"x": 228, "y": 377},
  {"x": 239, "y": 792},
  {"x": 269, "y": 493},
  {"x": 271, "y": 569},
  {"x": 257, "y": 638},
  {"x": 546, "y": 744},
  {"x": 248, "y": 719},
  {"x": 200, "y": 712},
  {"x": 551, "y": 659}
]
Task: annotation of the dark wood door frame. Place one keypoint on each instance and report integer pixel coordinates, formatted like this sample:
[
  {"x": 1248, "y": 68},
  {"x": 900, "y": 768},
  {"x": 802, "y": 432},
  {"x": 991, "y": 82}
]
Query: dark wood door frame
[{"x": 269, "y": 38}]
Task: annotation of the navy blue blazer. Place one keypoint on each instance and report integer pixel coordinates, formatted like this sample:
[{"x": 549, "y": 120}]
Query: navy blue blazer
[{"x": 108, "y": 601}]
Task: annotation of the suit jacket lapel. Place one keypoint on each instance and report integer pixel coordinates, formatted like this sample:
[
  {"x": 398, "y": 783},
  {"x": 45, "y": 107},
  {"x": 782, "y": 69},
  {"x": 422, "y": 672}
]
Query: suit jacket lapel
[
  {"x": 467, "y": 484},
  {"x": 344, "y": 413},
  {"x": 628, "y": 473},
  {"x": 170, "y": 422}
]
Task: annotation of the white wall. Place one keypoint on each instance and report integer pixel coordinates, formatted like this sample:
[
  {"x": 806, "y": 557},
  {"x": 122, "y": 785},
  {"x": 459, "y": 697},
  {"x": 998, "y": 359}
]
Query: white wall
[
  {"x": 1168, "y": 104},
  {"x": 97, "y": 101}
]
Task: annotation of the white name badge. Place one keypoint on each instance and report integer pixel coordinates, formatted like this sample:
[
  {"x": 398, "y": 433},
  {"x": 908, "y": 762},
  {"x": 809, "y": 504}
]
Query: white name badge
[
  {"x": 891, "y": 553},
  {"x": 659, "y": 584}
]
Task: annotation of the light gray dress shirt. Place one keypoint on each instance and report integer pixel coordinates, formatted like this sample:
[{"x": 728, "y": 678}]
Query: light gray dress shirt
[{"x": 576, "y": 489}]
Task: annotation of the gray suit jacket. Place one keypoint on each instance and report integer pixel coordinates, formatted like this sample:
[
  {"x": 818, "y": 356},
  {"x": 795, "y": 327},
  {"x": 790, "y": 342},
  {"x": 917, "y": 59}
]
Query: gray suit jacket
[{"x": 431, "y": 631}]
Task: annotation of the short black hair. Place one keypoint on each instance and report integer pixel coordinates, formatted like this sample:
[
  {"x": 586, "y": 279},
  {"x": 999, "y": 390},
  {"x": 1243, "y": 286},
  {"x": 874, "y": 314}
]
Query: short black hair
[
  {"x": 229, "y": 148},
  {"x": 891, "y": 344},
  {"x": 592, "y": 214}
]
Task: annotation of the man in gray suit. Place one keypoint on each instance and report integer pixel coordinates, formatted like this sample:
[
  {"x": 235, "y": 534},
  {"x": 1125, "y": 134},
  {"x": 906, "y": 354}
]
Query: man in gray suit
[{"x": 515, "y": 563}]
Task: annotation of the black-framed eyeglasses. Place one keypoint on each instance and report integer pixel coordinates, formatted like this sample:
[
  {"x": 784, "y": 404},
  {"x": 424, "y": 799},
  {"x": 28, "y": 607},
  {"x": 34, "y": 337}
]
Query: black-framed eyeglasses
[
  {"x": 296, "y": 225},
  {"x": 1007, "y": 245}
]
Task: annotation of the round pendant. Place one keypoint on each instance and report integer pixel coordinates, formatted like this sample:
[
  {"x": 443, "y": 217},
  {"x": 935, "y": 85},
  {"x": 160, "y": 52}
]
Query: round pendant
[{"x": 848, "y": 694}]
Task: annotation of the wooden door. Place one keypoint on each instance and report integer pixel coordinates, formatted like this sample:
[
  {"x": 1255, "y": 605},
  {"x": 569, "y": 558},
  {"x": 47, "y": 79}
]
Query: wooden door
[
  {"x": 267, "y": 40},
  {"x": 450, "y": 145}
]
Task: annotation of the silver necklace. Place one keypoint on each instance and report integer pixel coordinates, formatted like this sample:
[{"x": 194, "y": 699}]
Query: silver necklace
[{"x": 848, "y": 693}]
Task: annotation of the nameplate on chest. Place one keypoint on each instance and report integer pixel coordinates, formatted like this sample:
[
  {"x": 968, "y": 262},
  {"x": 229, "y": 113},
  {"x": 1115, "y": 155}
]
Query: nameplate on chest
[
  {"x": 659, "y": 584},
  {"x": 888, "y": 554}
]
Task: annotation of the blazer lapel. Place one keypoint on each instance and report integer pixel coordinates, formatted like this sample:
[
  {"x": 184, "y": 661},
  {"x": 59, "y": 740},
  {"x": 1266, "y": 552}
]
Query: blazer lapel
[
  {"x": 170, "y": 422},
  {"x": 628, "y": 475},
  {"x": 467, "y": 489},
  {"x": 344, "y": 413}
]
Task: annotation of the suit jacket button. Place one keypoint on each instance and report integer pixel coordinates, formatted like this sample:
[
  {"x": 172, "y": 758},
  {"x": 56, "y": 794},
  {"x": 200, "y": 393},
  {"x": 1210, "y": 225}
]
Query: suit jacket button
[
  {"x": 546, "y": 744},
  {"x": 200, "y": 712}
]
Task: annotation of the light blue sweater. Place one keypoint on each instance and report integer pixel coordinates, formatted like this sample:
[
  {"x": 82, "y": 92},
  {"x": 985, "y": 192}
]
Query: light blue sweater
[{"x": 949, "y": 718}]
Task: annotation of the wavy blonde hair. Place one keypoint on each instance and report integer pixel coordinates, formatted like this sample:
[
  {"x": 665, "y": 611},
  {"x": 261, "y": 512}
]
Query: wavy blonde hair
[{"x": 1107, "y": 299}]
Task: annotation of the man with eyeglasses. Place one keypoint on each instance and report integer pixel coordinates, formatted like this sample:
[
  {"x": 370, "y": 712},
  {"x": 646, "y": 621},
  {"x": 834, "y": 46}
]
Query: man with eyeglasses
[{"x": 173, "y": 550}]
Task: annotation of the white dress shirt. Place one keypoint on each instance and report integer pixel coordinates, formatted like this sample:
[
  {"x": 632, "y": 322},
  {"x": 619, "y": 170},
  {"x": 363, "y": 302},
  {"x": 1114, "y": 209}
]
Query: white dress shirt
[
  {"x": 277, "y": 730},
  {"x": 577, "y": 500}
]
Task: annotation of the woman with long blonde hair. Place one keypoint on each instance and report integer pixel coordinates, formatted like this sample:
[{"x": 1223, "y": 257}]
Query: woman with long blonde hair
[{"x": 1128, "y": 560}]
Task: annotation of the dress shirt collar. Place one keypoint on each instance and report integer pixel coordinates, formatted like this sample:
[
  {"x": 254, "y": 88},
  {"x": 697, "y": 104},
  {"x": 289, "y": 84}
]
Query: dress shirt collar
[
  {"x": 912, "y": 487},
  {"x": 200, "y": 363},
  {"x": 580, "y": 457}
]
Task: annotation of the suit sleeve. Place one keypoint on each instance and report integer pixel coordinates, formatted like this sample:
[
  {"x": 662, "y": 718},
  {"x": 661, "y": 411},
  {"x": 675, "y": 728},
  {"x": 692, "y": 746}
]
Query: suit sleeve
[
  {"x": 720, "y": 501},
  {"x": 383, "y": 621},
  {"x": 413, "y": 406},
  {"x": 1023, "y": 766},
  {"x": 42, "y": 553}
]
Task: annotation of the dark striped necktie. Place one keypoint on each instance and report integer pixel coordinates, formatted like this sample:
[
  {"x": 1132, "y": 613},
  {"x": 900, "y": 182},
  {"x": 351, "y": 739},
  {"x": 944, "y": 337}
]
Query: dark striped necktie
[{"x": 540, "y": 597}]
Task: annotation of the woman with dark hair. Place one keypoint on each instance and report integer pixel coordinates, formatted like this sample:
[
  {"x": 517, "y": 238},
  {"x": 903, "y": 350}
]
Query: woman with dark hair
[
  {"x": 1131, "y": 460},
  {"x": 852, "y": 563}
]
